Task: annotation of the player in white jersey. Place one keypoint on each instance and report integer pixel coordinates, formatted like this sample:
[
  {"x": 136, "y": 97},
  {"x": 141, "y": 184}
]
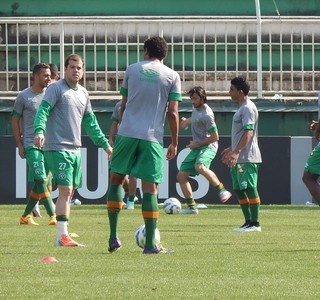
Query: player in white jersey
[
  {"x": 243, "y": 156},
  {"x": 150, "y": 91},
  {"x": 204, "y": 146},
  {"x": 64, "y": 109},
  {"x": 24, "y": 111}
]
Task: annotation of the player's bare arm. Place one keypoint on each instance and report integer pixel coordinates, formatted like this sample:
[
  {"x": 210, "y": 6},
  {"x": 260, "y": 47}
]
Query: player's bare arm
[{"x": 173, "y": 120}]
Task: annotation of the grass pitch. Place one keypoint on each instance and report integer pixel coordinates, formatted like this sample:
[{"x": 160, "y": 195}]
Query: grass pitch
[{"x": 210, "y": 261}]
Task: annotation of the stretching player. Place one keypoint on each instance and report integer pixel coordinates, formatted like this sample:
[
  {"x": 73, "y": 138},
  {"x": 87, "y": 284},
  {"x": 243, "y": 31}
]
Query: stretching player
[{"x": 204, "y": 146}]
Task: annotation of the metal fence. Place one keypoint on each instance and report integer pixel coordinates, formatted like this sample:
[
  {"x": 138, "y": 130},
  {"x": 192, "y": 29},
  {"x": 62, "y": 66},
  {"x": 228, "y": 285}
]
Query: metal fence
[{"x": 205, "y": 51}]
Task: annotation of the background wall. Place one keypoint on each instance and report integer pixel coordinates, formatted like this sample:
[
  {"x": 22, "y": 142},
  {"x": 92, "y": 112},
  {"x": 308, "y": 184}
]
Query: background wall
[{"x": 157, "y": 8}]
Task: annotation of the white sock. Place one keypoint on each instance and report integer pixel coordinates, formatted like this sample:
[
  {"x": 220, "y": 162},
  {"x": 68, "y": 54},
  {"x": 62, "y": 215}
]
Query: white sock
[{"x": 62, "y": 228}]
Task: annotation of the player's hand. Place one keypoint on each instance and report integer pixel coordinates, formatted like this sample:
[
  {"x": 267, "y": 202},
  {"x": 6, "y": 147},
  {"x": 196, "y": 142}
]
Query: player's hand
[
  {"x": 313, "y": 125},
  {"x": 172, "y": 152},
  {"x": 193, "y": 145},
  {"x": 184, "y": 122},
  {"x": 225, "y": 154},
  {"x": 110, "y": 142},
  {"x": 21, "y": 152},
  {"x": 38, "y": 140},
  {"x": 109, "y": 152}
]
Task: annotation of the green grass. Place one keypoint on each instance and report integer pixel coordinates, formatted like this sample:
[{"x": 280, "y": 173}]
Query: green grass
[{"x": 210, "y": 261}]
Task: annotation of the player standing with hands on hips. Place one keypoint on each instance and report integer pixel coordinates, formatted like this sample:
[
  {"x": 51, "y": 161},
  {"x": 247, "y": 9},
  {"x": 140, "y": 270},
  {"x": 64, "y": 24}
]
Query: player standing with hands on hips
[
  {"x": 150, "y": 91},
  {"x": 204, "y": 146},
  {"x": 243, "y": 156},
  {"x": 64, "y": 108}
]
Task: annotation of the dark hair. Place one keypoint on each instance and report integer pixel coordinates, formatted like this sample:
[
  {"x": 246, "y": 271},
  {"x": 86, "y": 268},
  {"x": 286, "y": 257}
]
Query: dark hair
[
  {"x": 74, "y": 57},
  {"x": 200, "y": 91},
  {"x": 38, "y": 67},
  {"x": 157, "y": 47},
  {"x": 241, "y": 84},
  {"x": 54, "y": 70}
]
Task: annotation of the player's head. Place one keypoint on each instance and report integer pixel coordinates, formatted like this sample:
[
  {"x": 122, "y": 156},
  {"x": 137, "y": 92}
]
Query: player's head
[
  {"x": 37, "y": 69},
  {"x": 241, "y": 84},
  {"x": 200, "y": 91},
  {"x": 156, "y": 47},
  {"x": 54, "y": 72},
  {"x": 41, "y": 75},
  {"x": 73, "y": 69},
  {"x": 75, "y": 58}
]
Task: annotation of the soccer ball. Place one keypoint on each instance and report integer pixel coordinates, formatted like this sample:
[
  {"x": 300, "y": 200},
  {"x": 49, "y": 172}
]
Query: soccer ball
[
  {"x": 172, "y": 206},
  {"x": 140, "y": 236}
]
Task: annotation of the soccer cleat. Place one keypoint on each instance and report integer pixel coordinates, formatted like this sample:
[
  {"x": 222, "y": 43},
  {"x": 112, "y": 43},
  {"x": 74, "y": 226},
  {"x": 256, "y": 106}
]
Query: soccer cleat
[
  {"x": 224, "y": 196},
  {"x": 36, "y": 211},
  {"x": 75, "y": 201},
  {"x": 53, "y": 220},
  {"x": 124, "y": 205},
  {"x": 114, "y": 245},
  {"x": 157, "y": 250},
  {"x": 67, "y": 241},
  {"x": 27, "y": 220},
  {"x": 242, "y": 228},
  {"x": 130, "y": 204},
  {"x": 189, "y": 211},
  {"x": 252, "y": 229}
]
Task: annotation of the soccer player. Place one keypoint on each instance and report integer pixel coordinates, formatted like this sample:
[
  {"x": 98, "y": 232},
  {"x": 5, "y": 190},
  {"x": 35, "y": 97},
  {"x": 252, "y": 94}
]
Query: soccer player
[
  {"x": 204, "y": 146},
  {"x": 24, "y": 111},
  {"x": 64, "y": 108},
  {"x": 312, "y": 168},
  {"x": 130, "y": 182},
  {"x": 243, "y": 156},
  {"x": 150, "y": 90},
  {"x": 54, "y": 73}
]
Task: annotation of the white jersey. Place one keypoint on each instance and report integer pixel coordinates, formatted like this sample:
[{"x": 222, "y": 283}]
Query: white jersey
[
  {"x": 246, "y": 117},
  {"x": 148, "y": 85}
]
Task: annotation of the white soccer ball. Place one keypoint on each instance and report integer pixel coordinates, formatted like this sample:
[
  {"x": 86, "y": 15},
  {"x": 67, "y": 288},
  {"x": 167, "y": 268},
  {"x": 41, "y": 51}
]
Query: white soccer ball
[
  {"x": 140, "y": 236},
  {"x": 172, "y": 206}
]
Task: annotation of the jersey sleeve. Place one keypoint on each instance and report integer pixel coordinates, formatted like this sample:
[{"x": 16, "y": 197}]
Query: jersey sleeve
[
  {"x": 41, "y": 117},
  {"x": 92, "y": 128},
  {"x": 249, "y": 118},
  {"x": 18, "y": 106}
]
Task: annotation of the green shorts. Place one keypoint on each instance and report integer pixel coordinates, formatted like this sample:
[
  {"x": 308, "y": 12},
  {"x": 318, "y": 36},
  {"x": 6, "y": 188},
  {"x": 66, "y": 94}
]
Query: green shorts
[
  {"x": 140, "y": 158},
  {"x": 204, "y": 155},
  {"x": 313, "y": 162},
  {"x": 244, "y": 176},
  {"x": 37, "y": 167},
  {"x": 65, "y": 167}
]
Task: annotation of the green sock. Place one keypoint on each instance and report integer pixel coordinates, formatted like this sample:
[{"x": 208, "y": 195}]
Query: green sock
[
  {"x": 114, "y": 204},
  {"x": 244, "y": 204},
  {"x": 254, "y": 209},
  {"x": 219, "y": 188},
  {"x": 246, "y": 211},
  {"x": 32, "y": 200},
  {"x": 45, "y": 195},
  {"x": 191, "y": 203},
  {"x": 150, "y": 213},
  {"x": 131, "y": 197},
  {"x": 62, "y": 219},
  {"x": 254, "y": 201}
]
